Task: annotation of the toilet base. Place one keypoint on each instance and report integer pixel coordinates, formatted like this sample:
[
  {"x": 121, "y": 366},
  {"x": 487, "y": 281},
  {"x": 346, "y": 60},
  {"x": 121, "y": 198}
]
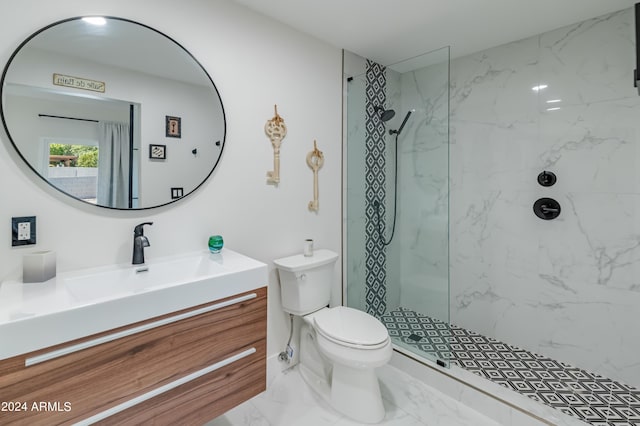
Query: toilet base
[
  {"x": 318, "y": 384},
  {"x": 354, "y": 393}
]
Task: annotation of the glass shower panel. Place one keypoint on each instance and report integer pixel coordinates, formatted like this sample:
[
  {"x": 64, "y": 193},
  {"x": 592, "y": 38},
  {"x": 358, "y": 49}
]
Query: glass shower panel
[
  {"x": 397, "y": 198},
  {"x": 355, "y": 269}
]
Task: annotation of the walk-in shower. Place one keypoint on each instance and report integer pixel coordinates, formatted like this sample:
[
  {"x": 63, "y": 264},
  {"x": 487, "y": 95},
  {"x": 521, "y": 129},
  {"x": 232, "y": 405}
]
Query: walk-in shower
[{"x": 470, "y": 276}]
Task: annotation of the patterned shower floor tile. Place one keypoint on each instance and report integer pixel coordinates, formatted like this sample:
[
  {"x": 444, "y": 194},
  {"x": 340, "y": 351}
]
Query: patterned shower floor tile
[{"x": 588, "y": 396}]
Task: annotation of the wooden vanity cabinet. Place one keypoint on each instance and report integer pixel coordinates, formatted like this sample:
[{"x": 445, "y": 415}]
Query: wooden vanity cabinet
[{"x": 186, "y": 367}]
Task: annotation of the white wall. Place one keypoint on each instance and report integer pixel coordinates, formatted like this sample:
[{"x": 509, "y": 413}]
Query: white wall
[{"x": 255, "y": 63}]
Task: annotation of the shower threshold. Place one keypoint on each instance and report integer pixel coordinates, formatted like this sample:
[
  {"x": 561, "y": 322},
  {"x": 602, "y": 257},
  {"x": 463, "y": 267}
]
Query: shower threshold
[{"x": 576, "y": 392}]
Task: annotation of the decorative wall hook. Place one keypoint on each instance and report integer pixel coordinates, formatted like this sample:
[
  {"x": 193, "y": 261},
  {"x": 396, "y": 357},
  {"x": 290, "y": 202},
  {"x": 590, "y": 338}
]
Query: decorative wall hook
[
  {"x": 276, "y": 130},
  {"x": 315, "y": 160}
]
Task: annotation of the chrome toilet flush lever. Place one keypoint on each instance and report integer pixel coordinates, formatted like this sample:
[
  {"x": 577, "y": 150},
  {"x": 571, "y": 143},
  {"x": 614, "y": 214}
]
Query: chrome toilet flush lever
[{"x": 139, "y": 243}]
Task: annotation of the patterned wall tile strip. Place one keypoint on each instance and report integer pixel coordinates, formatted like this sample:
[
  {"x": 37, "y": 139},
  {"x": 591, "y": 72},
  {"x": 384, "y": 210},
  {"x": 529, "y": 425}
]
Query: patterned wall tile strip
[{"x": 375, "y": 180}]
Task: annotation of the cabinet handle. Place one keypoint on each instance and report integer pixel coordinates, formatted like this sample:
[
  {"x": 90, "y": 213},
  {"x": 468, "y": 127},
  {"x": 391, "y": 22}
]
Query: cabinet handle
[
  {"x": 128, "y": 332},
  {"x": 165, "y": 388}
]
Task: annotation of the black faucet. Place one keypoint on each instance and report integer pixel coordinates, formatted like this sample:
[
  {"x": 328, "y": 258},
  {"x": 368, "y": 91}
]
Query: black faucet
[{"x": 139, "y": 243}]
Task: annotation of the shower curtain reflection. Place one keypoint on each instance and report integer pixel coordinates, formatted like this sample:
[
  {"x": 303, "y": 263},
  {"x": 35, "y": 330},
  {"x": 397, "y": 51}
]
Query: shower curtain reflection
[{"x": 113, "y": 164}]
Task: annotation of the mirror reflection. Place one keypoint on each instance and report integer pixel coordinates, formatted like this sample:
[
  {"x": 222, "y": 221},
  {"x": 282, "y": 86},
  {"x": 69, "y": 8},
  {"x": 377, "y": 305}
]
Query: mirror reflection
[{"x": 113, "y": 113}]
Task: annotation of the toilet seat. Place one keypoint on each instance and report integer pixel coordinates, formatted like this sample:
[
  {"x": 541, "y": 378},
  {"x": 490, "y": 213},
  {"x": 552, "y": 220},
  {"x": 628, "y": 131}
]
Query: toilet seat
[{"x": 350, "y": 327}]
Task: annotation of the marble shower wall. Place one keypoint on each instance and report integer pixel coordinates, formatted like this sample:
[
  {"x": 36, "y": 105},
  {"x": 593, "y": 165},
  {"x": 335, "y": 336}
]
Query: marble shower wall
[{"x": 568, "y": 288}]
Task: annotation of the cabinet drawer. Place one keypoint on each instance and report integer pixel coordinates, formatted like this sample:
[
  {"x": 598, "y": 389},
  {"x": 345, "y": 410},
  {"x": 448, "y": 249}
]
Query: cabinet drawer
[
  {"x": 203, "y": 399},
  {"x": 86, "y": 382}
]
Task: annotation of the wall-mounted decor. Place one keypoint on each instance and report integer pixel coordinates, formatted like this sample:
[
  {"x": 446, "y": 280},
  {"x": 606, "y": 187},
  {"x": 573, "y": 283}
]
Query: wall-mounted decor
[
  {"x": 315, "y": 160},
  {"x": 173, "y": 127},
  {"x": 78, "y": 83},
  {"x": 275, "y": 130},
  {"x": 158, "y": 152},
  {"x": 176, "y": 193}
]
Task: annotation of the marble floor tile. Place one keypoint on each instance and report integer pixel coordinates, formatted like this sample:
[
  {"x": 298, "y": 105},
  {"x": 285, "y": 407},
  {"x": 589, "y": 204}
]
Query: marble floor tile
[
  {"x": 394, "y": 417},
  {"x": 243, "y": 415},
  {"x": 289, "y": 401},
  {"x": 408, "y": 402},
  {"x": 428, "y": 405}
]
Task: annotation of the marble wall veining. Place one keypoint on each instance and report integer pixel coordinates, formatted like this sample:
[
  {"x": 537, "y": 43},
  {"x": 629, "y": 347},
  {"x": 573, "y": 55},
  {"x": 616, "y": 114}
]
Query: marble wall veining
[{"x": 567, "y": 288}]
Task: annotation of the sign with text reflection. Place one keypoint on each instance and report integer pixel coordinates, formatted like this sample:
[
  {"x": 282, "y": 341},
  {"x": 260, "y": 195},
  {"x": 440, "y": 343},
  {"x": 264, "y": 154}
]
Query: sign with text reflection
[{"x": 78, "y": 83}]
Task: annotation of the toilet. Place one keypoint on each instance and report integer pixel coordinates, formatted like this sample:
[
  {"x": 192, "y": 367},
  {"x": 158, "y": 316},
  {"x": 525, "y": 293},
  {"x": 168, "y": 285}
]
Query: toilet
[{"x": 340, "y": 347}]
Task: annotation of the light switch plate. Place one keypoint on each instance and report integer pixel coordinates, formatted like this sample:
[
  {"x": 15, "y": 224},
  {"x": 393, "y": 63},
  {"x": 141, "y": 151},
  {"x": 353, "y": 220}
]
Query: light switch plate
[{"x": 23, "y": 230}]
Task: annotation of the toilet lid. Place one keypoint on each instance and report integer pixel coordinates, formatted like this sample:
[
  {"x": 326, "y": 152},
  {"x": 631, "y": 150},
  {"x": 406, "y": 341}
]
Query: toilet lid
[{"x": 350, "y": 326}]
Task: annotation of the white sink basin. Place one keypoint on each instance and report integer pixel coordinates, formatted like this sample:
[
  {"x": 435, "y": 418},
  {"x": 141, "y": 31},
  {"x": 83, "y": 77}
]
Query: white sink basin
[
  {"x": 131, "y": 279},
  {"x": 81, "y": 303}
]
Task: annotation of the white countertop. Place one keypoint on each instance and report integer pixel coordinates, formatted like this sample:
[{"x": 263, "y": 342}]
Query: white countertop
[{"x": 81, "y": 303}]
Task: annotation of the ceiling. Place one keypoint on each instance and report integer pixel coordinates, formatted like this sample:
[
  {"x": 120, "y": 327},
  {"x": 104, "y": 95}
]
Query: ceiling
[
  {"x": 394, "y": 30},
  {"x": 118, "y": 44}
]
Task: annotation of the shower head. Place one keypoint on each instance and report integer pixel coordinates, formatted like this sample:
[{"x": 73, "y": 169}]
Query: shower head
[
  {"x": 385, "y": 114},
  {"x": 406, "y": 117}
]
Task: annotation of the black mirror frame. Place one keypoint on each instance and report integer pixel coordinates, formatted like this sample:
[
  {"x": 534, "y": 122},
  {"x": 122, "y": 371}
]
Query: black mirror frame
[{"x": 8, "y": 134}]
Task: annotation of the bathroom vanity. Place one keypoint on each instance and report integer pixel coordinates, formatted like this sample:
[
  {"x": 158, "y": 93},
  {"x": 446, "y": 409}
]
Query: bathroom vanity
[{"x": 180, "y": 342}]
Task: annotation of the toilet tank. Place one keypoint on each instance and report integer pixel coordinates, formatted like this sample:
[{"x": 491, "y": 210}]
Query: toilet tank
[{"x": 305, "y": 281}]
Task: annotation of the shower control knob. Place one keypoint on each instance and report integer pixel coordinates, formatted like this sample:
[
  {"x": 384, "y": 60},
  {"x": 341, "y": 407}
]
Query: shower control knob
[
  {"x": 546, "y": 208},
  {"x": 547, "y": 178}
]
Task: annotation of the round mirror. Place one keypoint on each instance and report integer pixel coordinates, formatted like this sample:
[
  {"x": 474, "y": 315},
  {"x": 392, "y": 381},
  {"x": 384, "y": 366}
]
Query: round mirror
[{"x": 112, "y": 112}]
